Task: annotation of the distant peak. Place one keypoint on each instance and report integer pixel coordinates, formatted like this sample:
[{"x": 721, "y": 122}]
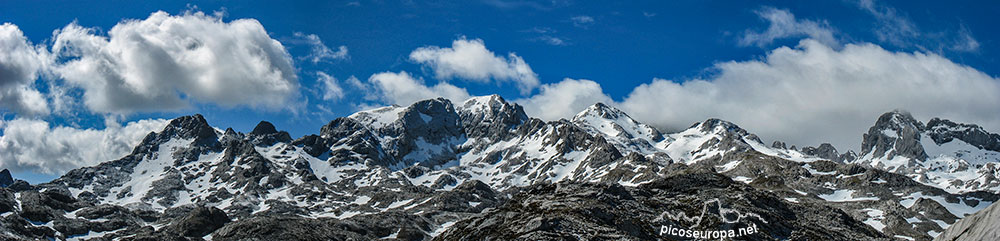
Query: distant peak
[
  {"x": 713, "y": 123},
  {"x": 602, "y": 110},
  {"x": 897, "y": 119},
  {"x": 264, "y": 128}
]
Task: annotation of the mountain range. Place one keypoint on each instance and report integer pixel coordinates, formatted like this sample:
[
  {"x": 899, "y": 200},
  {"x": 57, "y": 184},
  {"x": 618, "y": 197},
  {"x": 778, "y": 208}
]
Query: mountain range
[{"x": 483, "y": 169}]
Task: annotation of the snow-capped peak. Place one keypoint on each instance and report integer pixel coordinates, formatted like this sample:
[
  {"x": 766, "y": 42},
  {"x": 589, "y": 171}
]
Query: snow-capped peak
[
  {"x": 944, "y": 154},
  {"x": 613, "y": 122},
  {"x": 488, "y": 103},
  {"x": 603, "y": 111}
]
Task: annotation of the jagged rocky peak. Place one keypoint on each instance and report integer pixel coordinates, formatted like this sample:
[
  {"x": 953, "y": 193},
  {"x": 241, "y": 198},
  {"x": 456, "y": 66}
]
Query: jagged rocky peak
[
  {"x": 193, "y": 126},
  {"x": 825, "y": 151},
  {"x": 895, "y": 133},
  {"x": 944, "y": 131},
  {"x": 490, "y": 116},
  {"x": 190, "y": 127},
  {"x": 5, "y": 178}
]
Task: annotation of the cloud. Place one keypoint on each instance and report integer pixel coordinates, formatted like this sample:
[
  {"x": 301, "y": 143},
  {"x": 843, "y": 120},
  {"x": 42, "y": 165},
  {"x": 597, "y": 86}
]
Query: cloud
[
  {"x": 537, "y": 5},
  {"x": 895, "y": 28},
  {"x": 965, "y": 42},
  {"x": 469, "y": 59},
  {"x": 554, "y": 41},
  {"x": 582, "y": 21},
  {"x": 21, "y": 62},
  {"x": 564, "y": 99},
  {"x": 330, "y": 88},
  {"x": 320, "y": 52},
  {"x": 546, "y": 35},
  {"x": 164, "y": 62},
  {"x": 784, "y": 25},
  {"x": 813, "y": 93},
  {"x": 61, "y": 149},
  {"x": 402, "y": 89},
  {"x": 356, "y": 83},
  {"x": 892, "y": 27}
]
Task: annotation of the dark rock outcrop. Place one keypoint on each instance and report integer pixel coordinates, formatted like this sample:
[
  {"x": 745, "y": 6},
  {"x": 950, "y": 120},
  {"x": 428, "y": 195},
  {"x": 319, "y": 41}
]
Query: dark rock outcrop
[
  {"x": 199, "y": 222},
  {"x": 944, "y": 131},
  {"x": 264, "y": 134},
  {"x": 5, "y": 178}
]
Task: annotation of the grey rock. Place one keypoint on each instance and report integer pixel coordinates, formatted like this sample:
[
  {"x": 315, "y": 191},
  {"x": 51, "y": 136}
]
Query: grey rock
[
  {"x": 904, "y": 140},
  {"x": 491, "y": 117},
  {"x": 7, "y": 201},
  {"x": 199, "y": 222},
  {"x": 944, "y": 131},
  {"x": 825, "y": 151},
  {"x": 608, "y": 211},
  {"x": 982, "y": 225},
  {"x": 779, "y": 145}
]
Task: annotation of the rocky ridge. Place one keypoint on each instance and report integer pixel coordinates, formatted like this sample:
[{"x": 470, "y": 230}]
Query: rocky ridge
[{"x": 443, "y": 169}]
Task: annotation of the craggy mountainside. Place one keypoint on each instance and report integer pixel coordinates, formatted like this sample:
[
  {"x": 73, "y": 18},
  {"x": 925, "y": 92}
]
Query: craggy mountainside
[{"x": 483, "y": 169}]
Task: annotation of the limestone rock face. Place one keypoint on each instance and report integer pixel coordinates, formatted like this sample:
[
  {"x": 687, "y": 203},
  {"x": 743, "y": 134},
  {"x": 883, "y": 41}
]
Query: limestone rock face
[{"x": 983, "y": 225}]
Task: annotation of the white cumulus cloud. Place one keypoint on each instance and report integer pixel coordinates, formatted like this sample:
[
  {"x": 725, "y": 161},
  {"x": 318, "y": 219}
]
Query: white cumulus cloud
[
  {"x": 403, "y": 89},
  {"x": 469, "y": 59},
  {"x": 21, "y": 62},
  {"x": 813, "y": 93},
  {"x": 164, "y": 62},
  {"x": 564, "y": 99},
  {"x": 37, "y": 146},
  {"x": 783, "y": 24}
]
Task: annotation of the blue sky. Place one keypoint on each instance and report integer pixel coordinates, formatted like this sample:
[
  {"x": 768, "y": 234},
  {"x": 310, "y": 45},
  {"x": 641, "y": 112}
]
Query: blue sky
[{"x": 618, "y": 46}]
